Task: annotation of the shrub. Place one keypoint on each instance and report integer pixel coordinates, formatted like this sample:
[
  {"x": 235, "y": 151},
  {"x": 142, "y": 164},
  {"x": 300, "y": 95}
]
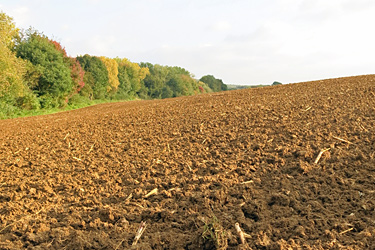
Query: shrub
[
  {"x": 276, "y": 83},
  {"x": 28, "y": 101}
]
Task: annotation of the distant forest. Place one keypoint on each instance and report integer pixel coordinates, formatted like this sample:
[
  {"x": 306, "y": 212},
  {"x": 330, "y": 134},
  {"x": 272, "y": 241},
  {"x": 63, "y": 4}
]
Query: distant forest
[{"x": 37, "y": 73}]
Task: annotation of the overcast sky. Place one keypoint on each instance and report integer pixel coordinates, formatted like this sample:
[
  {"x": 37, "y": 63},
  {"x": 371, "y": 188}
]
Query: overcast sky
[{"x": 238, "y": 41}]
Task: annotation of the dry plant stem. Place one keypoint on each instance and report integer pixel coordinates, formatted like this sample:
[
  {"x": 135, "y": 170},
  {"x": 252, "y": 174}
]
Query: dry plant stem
[
  {"x": 129, "y": 197},
  {"x": 348, "y": 230},
  {"x": 92, "y": 146},
  {"x": 119, "y": 244},
  {"x": 246, "y": 182},
  {"x": 66, "y": 136},
  {"x": 136, "y": 204},
  {"x": 320, "y": 155},
  {"x": 76, "y": 158},
  {"x": 308, "y": 109},
  {"x": 337, "y": 138},
  {"x": 152, "y": 192},
  {"x": 240, "y": 233},
  {"x": 140, "y": 231}
]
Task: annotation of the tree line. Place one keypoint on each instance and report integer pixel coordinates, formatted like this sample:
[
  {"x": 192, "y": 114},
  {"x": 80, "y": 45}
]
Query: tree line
[{"x": 37, "y": 73}]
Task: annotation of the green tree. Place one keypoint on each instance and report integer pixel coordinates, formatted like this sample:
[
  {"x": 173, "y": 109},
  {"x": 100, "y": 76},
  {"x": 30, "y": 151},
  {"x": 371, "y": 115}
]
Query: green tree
[
  {"x": 180, "y": 82},
  {"x": 130, "y": 76},
  {"x": 97, "y": 76},
  {"x": 215, "y": 84},
  {"x": 165, "y": 81},
  {"x": 87, "y": 90},
  {"x": 55, "y": 82},
  {"x": 156, "y": 80},
  {"x": 166, "y": 92},
  {"x": 124, "y": 88}
]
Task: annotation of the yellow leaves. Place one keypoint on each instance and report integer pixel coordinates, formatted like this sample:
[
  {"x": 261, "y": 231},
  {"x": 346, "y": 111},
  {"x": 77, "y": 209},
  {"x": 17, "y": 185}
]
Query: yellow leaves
[
  {"x": 143, "y": 73},
  {"x": 12, "y": 69},
  {"x": 112, "y": 68},
  {"x": 135, "y": 71},
  {"x": 8, "y": 30},
  {"x": 124, "y": 62}
]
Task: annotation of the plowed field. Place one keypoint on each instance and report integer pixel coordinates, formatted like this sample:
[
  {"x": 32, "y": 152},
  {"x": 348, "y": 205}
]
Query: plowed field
[{"x": 193, "y": 167}]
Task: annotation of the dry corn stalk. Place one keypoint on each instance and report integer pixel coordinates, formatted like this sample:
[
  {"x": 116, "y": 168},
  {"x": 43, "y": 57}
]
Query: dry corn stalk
[
  {"x": 240, "y": 233},
  {"x": 348, "y": 230},
  {"x": 320, "y": 155},
  {"x": 140, "y": 231},
  {"x": 343, "y": 140},
  {"x": 152, "y": 192}
]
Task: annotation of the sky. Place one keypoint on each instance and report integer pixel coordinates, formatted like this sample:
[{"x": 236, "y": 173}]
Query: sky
[{"x": 244, "y": 42}]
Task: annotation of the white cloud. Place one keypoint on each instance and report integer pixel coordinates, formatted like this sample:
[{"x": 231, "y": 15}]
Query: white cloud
[
  {"x": 93, "y": 1},
  {"x": 102, "y": 45},
  {"x": 358, "y": 5},
  {"x": 65, "y": 27},
  {"x": 222, "y": 26}
]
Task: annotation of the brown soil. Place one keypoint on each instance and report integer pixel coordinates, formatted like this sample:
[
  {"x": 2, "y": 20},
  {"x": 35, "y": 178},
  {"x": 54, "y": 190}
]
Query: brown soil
[{"x": 81, "y": 179}]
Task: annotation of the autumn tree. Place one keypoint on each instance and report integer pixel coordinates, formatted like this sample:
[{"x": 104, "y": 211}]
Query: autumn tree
[
  {"x": 112, "y": 69},
  {"x": 203, "y": 87},
  {"x": 76, "y": 71},
  {"x": 77, "y": 74},
  {"x": 12, "y": 69}
]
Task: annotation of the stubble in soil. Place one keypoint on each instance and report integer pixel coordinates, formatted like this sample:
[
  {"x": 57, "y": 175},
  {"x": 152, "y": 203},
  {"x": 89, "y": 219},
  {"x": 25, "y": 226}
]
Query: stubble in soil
[{"x": 192, "y": 167}]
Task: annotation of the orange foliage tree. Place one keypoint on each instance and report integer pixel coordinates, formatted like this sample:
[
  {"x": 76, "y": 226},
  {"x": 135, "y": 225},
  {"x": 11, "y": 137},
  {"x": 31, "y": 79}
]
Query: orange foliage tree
[{"x": 77, "y": 73}]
